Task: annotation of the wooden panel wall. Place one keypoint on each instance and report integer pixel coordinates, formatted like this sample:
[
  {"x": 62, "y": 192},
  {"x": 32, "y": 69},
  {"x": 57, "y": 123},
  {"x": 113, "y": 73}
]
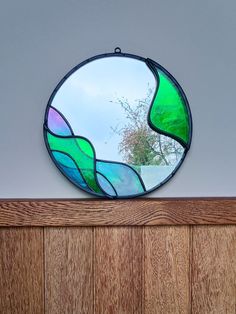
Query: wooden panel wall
[
  {"x": 214, "y": 269},
  {"x": 139, "y": 265},
  {"x": 69, "y": 274},
  {"x": 164, "y": 269},
  {"x": 21, "y": 270}
]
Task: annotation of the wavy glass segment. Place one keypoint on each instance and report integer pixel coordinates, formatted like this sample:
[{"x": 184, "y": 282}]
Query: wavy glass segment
[
  {"x": 81, "y": 152},
  {"x": 106, "y": 185},
  {"x": 169, "y": 113},
  {"x": 70, "y": 170},
  {"x": 57, "y": 124},
  {"x": 118, "y": 126},
  {"x": 123, "y": 178}
]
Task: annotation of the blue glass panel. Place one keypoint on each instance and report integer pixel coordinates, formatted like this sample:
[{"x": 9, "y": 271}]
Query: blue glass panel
[
  {"x": 105, "y": 185},
  {"x": 68, "y": 167},
  {"x": 124, "y": 179}
]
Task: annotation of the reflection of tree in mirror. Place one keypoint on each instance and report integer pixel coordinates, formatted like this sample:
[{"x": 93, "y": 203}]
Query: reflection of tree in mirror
[{"x": 140, "y": 145}]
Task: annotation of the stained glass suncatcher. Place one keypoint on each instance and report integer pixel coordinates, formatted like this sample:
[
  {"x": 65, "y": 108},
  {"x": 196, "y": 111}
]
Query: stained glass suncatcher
[{"x": 118, "y": 125}]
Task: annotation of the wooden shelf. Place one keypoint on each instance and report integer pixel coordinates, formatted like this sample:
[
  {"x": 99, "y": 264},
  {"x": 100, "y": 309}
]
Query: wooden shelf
[{"x": 97, "y": 212}]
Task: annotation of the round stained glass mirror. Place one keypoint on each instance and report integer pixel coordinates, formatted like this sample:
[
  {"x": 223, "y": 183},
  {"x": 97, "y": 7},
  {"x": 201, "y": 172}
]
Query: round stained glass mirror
[{"x": 118, "y": 125}]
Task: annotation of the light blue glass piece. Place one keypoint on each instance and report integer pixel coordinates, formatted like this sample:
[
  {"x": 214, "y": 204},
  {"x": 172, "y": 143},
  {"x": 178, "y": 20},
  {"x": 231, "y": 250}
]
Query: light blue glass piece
[
  {"x": 124, "y": 179},
  {"x": 105, "y": 185}
]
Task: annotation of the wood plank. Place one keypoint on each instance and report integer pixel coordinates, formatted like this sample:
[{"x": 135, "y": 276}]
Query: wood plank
[
  {"x": 214, "y": 270},
  {"x": 92, "y": 212},
  {"x": 69, "y": 270},
  {"x": 21, "y": 271},
  {"x": 118, "y": 270},
  {"x": 166, "y": 270}
]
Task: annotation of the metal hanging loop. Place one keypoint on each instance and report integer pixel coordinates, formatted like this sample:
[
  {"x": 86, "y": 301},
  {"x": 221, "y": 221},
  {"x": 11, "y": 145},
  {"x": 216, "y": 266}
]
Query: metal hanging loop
[{"x": 117, "y": 50}]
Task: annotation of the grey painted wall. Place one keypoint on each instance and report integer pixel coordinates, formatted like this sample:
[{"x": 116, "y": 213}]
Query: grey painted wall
[{"x": 41, "y": 40}]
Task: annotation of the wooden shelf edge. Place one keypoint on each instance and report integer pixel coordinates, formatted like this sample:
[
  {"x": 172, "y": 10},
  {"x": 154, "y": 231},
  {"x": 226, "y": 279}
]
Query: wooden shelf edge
[{"x": 97, "y": 212}]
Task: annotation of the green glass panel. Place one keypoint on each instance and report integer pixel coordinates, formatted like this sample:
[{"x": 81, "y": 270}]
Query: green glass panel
[
  {"x": 85, "y": 147},
  {"x": 169, "y": 112},
  {"x": 82, "y": 153}
]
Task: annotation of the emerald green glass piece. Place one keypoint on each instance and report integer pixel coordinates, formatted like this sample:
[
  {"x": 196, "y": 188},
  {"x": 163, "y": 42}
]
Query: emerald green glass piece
[
  {"x": 81, "y": 152},
  {"x": 169, "y": 112}
]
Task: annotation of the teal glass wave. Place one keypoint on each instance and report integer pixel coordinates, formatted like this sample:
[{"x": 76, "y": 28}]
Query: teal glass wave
[
  {"x": 70, "y": 170},
  {"x": 123, "y": 178}
]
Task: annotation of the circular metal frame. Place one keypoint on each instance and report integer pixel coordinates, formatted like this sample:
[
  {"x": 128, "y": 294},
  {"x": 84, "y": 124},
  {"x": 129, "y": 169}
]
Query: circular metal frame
[{"x": 149, "y": 62}]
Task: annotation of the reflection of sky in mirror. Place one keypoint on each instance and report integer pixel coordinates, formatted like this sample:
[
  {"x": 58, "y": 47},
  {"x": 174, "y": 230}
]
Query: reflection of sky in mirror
[{"x": 85, "y": 100}]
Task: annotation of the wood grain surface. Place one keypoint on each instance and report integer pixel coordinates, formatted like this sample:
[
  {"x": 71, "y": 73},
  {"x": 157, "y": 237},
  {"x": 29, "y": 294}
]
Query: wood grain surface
[
  {"x": 214, "y": 270},
  {"x": 118, "y": 270},
  {"x": 120, "y": 212},
  {"x": 69, "y": 270},
  {"x": 166, "y": 270},
  {"x": 21, "y": 271}
]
